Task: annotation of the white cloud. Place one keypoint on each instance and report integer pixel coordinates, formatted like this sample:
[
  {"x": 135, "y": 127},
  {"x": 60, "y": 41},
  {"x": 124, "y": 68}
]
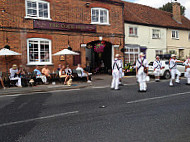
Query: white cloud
[{"x": 159, "y": 3}]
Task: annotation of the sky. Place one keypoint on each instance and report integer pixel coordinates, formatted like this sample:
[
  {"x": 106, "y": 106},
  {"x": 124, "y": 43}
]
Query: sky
[{"x": 160, "y": 3}]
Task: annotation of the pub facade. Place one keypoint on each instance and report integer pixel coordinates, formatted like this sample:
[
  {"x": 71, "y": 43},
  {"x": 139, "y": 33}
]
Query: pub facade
[{"x": 39, "y": 28}]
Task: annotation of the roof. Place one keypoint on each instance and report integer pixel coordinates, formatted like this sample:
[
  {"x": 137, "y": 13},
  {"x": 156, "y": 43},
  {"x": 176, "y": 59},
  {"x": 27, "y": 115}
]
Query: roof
[{"x": 145, "y": 15}]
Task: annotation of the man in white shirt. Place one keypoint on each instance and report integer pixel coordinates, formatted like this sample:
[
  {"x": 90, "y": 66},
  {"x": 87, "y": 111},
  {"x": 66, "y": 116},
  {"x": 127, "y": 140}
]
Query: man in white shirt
[
  {"x": 14, "y": 72},
  {"x": 142, "y": 72},
  {"x": 173, "y": 70},
  {"x": 157, "y": 68},
  {"x": 187, "y": 70},
  {"x": 115, "y": 73},
  {"x": 84, "y": 73}
]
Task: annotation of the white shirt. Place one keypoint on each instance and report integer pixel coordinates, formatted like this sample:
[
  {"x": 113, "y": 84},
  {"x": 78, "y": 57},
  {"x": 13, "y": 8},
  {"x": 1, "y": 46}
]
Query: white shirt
[
  {"x": 187, "y": 62},
  {"x": 116, "y": 65},
  {"x": 173, "y": 64},
  {"x": 144, "y": 63},
  {"x": 157, "y": 64},
  {"x": 13, "y": 72}
]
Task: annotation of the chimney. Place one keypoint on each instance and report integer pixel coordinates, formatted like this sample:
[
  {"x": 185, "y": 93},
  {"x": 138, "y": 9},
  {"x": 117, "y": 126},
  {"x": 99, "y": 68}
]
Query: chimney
[{"x": 176, "y": 12}]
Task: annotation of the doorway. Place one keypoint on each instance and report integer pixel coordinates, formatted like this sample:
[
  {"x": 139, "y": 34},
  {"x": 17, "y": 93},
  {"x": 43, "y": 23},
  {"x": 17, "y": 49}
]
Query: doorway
[{"x": 99, "y": 56}]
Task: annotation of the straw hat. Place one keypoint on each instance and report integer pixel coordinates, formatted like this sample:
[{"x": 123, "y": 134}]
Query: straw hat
[
  {"x": 141, "y": 54},
  {"x": 117, "y": 55},
  {"x": 14, "y": 66},
  {"x": 173, "y": 55}
]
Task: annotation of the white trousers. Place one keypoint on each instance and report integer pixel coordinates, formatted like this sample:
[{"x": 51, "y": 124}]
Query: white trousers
[
  {"x": 43, "y": 77},
  {"x": 174, "y": 72},
  {"x": 115, "y": 79},
  {"x": 142, "y": 80},
  {"x": 18, "y": 82},
  {"x": 187, "y": 75},
  {"x": 157, "y": 72}
]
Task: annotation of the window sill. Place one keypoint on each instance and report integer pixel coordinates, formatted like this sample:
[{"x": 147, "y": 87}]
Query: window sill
[
  {"x": 40, "y": 64},
  {"x": 156, "y": 38},
  {"x": 37, "y": 18},
  {"x": 103, "y": 24},
  {"x": 175, "y": 38},
  {"x": 133, "y": 36}
]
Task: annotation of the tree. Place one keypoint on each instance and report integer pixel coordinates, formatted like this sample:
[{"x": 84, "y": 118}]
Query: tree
[{"x": 169, "y": 8}]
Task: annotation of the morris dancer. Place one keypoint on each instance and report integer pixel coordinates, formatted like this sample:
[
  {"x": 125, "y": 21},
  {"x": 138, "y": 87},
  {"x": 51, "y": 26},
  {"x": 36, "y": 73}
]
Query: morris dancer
[
  {"x": 187, "y": 70},
  {"x": 142, "y": 72},
  {"x": 115, "y": 73},
  {"x": 157, "y": 68},
  {"x": 173, "y": 70}
]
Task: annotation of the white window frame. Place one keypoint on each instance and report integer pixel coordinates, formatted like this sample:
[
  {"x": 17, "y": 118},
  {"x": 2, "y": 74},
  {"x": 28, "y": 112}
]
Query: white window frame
[
  {"x": 153, "y": 34},
  {"x": 50, "y": 52},
  {"x": 37, "y": 15},
  {"x": 99, "y": 9},
  {"x": 128, "y": 52},
  {"x": 176, "y": 33},
  {"x": 133, "y": 35}
]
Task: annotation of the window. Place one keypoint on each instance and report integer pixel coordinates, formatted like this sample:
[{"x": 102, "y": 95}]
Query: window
[
  {"x": 175, "y": 34},
  {"x": 132, "y": 31},
  {"x": 131, "y": 54},
  {"x": 172, "y": 52},
  {"x": 39, "y": 51},
  {"x": 189, "y": 36},
  {"x": 155, "y": 34},
  {"x": 99, "y": 16},
  {"x": 159, "y": 52},
  {"x": 37, "y": 9}
]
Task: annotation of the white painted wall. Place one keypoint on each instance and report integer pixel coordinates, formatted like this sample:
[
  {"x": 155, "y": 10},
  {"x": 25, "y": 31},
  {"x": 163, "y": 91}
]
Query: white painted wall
[{"x": 144, "y": 38}]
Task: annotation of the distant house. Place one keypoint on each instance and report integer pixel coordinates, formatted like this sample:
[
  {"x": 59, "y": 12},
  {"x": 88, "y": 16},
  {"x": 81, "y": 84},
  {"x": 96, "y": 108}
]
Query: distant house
[{"x": 154, "y": 32}]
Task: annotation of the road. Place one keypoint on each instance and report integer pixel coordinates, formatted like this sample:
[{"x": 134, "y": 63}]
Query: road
[{"x": 98, "y": 115}]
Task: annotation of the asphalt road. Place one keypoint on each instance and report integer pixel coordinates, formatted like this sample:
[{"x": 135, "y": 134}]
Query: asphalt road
[{"x": 98, "y": 115}]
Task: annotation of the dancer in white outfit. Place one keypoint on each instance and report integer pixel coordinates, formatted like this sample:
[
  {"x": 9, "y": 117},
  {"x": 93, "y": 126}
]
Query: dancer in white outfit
[
  {"x": 187, "y": 70},
  {"x": 115, "y": 73},
  {"x": 173, "y": 70},
  {"x": 120, "y": 70},
  {"x": 157, "y": 68},
  {"x": 142, "y": 72}
]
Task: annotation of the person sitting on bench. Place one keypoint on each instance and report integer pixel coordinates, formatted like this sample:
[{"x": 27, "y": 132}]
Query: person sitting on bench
[
  {"x": 14, "y": 75},
  {"x": 62, "y": 74},
  {"x": 84, "y": 73},
  {"x": 39, "y": 75}
]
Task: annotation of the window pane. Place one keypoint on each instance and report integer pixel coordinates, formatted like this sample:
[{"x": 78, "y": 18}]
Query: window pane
[
  {"x": 130, "y": 31},
  {"x": 95, "y": 15}
]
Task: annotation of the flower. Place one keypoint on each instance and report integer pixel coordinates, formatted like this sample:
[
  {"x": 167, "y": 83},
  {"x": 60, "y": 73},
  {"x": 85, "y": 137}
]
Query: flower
[{"x": 99, "y": 47}]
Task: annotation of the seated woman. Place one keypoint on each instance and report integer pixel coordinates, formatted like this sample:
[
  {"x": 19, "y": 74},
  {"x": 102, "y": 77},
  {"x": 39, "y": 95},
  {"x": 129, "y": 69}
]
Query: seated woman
[
  {"x": 62, "y": 74},
  {"x": 39, "y": 75},
  {"x": 22, "y": 75},
  {"x": 14, "y": 75}
]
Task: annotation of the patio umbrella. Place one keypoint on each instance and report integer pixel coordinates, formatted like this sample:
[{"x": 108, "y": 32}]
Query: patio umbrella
[
  {"x": 65, "y": 52},
  {"x": 6, "y": 52}
]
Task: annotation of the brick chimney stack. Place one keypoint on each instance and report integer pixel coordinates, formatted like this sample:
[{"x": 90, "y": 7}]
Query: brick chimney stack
[{"x": 177, "y": 11}]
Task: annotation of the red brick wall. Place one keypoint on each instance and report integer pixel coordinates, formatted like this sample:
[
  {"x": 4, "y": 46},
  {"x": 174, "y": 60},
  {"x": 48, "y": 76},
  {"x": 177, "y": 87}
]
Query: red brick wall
[{"x": 16, "y": 29}]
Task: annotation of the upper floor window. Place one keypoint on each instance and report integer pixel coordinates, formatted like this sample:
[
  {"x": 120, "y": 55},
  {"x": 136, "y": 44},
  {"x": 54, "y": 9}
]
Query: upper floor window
[
  {"x": 99, "y": 16},
  {"x": 37, "y": 9},
  {"x": 159, "y": 52},
  {"x": 39, "y": 51},
  {"x": 155, "y": 34},
  {"x": 132, "y": 31},
  {"x": 175, "y": 34},
  {"x": 189, "y": 36}
]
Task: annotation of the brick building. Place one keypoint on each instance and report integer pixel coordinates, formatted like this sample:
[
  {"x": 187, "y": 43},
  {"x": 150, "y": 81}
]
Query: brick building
[{"x": 39, "y": 28}]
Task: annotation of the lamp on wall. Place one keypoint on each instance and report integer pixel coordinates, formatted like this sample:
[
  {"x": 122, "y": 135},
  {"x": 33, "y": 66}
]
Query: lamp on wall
[
  {"x": 69, "y": 47},
  {"x": 87, "y": 4}
]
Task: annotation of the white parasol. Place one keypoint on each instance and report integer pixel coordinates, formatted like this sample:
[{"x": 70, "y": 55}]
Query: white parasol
[
  {"x": 66, "y": 52},
  {"x": 6, "y": 52}
]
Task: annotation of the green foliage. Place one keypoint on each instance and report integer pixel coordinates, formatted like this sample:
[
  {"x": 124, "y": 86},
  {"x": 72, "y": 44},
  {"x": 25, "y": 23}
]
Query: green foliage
[{"x": 168, "y": 7}]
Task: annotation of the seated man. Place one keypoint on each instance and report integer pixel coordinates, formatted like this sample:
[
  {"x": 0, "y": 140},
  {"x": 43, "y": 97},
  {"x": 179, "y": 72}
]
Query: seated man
[
  {"x": 46, "y": 71},
  {"x": 84, "y": 73},
  {"x": 68, "y": 71},
  {"x": 62, "y": 74},
  {"x": 39, "y": 75},
  {"x": 14, "y": 75}
]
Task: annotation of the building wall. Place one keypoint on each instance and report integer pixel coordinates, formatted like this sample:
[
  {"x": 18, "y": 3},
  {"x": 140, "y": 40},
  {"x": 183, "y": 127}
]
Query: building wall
[
  {"x": 144, "y": 38},
  {"x": 182, "y": 43},
  {"x": 15, "y": 29}
]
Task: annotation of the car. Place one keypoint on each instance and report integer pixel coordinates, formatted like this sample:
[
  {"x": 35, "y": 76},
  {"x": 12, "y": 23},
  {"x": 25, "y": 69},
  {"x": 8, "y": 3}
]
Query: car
[{"x": 165, "y": 72}]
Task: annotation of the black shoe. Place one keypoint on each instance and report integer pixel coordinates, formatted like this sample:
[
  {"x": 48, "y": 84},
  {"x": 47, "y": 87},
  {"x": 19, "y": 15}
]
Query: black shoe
[
  {"x": 187, "y": 84},
  {"x": 117, "y": 89},
  {"x": 112, "y": 88}
]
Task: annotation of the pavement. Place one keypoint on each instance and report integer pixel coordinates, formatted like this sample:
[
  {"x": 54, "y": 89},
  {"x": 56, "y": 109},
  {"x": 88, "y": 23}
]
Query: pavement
[
  {"x": 97, "y": 81},
  {"x": 93, "y": 114}
]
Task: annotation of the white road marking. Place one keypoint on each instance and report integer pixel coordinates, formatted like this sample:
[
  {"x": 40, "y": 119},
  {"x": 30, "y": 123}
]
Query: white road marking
[
  {"x": 99, "y": 87},
  {"x": 155, "y": 98},
  {"x": 39, "y": 118}
]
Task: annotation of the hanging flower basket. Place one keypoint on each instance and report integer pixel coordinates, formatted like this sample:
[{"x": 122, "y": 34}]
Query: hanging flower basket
[{"x": 99, "y": 47}]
